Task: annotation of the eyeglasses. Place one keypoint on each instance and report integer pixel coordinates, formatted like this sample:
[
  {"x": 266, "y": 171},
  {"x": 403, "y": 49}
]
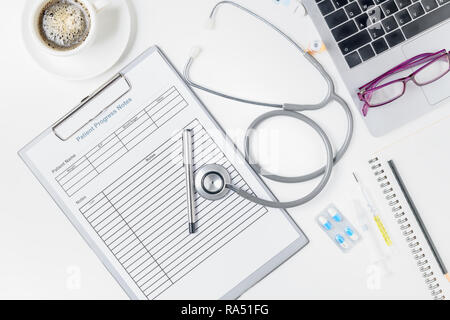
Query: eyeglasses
[{"x": 378, "y": 92}]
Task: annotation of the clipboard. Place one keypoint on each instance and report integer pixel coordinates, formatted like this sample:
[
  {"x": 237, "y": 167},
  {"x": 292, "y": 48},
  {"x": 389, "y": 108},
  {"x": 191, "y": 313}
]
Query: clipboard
[{"x": 143, "y": 108}]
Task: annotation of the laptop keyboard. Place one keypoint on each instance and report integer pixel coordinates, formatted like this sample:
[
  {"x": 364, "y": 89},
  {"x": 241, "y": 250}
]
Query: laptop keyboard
[{"x": 366, "y": 28}]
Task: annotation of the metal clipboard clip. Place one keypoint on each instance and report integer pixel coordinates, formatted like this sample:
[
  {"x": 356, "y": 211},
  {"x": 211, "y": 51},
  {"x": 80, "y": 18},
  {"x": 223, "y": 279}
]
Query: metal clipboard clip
[{"x": 91, "y": 98}]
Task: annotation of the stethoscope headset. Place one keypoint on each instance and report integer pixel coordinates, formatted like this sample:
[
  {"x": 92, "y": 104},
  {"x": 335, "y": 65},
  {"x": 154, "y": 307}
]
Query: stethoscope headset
[{"x": 213, "y": 181}]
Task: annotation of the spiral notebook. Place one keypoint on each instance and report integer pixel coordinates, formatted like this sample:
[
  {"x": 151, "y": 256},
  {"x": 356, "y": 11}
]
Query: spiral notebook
[{"x": 423, "y": 161}]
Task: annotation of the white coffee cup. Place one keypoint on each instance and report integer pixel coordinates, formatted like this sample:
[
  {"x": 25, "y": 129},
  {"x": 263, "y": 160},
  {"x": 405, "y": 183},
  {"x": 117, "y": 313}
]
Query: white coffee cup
[{"x": 93, "y": 7}]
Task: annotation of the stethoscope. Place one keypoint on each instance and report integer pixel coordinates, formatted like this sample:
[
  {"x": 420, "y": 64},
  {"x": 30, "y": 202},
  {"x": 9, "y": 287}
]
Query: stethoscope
[{"x": 213, "y": 181}]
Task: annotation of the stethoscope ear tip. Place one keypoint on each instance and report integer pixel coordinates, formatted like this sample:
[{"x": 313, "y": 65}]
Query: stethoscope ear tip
[
  {"x": 210, "y": 24},
  {"x": 195, "y": 51},
  {"x": 301, "y": 10}
]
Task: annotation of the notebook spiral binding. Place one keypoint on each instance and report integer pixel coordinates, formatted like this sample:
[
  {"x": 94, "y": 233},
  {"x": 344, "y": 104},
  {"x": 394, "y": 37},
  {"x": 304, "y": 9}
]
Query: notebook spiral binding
[{"x": 397, "y": 210}]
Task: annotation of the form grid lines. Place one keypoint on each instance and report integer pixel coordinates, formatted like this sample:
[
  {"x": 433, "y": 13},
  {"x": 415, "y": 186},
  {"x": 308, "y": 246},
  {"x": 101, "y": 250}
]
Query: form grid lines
[
  {"x": 120, "y": 142},
  {"x": 137, "y": 237},
  {"x": 141, "y": 216}
]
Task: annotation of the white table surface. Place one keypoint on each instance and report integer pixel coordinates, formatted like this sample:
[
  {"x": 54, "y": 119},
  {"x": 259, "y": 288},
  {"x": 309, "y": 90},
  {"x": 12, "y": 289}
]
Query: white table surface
[{"x": 43, "y": 256}]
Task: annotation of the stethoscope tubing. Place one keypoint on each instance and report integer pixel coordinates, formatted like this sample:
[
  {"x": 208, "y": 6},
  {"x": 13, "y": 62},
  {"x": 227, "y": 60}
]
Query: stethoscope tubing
[{"x": 327, "y": 170}]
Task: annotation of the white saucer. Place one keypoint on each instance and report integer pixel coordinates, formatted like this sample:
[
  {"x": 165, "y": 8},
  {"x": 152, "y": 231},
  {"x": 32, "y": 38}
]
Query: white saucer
[{"x": 114, "y": 29}]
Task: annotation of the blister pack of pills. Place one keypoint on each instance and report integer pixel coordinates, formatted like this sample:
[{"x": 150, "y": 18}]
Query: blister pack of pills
[{"x": 338, "y": 228}]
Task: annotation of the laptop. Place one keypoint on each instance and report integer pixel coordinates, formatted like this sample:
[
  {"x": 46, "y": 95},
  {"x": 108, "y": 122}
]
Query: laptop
[{"x": 365, "y": 38}]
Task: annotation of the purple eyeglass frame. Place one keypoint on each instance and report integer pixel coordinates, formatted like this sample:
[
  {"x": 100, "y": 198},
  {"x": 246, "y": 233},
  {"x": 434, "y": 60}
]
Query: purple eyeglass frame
[{"x": 367, "y": 90}]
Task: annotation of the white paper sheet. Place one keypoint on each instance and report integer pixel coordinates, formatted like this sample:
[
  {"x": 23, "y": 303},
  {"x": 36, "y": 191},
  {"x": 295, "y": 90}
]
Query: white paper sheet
[{"x": 120, "y": 181}]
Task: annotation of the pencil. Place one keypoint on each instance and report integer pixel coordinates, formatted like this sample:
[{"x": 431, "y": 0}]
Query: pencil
[{"x": 419, "y": 219}]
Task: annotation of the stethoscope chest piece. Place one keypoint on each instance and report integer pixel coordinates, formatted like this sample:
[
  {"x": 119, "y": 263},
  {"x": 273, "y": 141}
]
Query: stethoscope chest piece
[{"x": 211, "y": 181}]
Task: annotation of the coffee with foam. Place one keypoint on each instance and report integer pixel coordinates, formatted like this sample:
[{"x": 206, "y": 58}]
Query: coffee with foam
[{"x": 64, "y": 24}]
